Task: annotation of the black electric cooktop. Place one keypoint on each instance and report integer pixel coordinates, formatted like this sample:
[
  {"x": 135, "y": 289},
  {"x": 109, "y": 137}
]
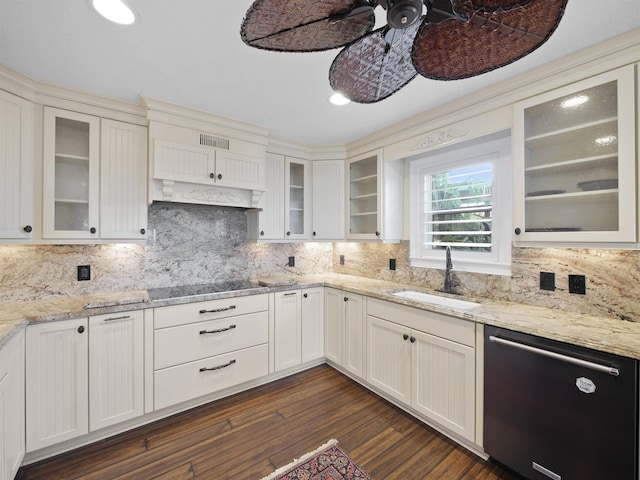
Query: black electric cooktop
[{"x": 164, "y": 293}]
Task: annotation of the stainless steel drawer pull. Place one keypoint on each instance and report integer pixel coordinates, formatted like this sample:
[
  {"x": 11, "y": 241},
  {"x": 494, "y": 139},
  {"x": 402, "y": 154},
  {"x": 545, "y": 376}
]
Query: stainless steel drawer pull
[
  {"x": 557, "y": 356},
  {"x": 220, "y": 330},
  {"x": 112, "y": 319},
  {"x": 219, "y": 367},
  {"x": 218, "y": 310}
]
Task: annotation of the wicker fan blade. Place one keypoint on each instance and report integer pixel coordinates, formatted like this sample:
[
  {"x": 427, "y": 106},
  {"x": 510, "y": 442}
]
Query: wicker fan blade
[
  {"x": 304, "y": 25},
  {"x": 454, "y": 49},
  {"x": 499, "y": 5},
  {"x": 376, "y": 66}
]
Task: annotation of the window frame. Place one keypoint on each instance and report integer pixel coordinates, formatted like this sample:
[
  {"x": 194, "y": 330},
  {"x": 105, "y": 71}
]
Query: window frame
[{"x": 495, "y": 150}]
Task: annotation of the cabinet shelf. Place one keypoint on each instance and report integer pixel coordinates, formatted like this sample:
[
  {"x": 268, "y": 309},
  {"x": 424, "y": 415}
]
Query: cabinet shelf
[
  {"x": 575, "y": 133},
  {"x": 364, "y": 214},
  {"x": 365, "y": 178},
  {"x": 572, "y": 195},
  {"x": 65, "y": 156},
  {"x": 365, "y": 196},
  {"x": 71, "y": 200},
  {"x": 298, "y": 187},
  {"x": 607, "y": 160}
]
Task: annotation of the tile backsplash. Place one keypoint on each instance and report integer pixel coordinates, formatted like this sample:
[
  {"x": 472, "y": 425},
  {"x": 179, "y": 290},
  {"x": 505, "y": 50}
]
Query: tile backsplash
[{"x": 192, "y": 244}]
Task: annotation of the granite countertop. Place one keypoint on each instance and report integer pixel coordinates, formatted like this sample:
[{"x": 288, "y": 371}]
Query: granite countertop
[{"x": 600, "y": 333}]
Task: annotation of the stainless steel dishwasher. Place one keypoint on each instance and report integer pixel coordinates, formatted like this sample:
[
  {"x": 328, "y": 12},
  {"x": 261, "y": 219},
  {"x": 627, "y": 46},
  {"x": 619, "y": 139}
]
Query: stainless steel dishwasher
[{"x": 553, "y": 410}]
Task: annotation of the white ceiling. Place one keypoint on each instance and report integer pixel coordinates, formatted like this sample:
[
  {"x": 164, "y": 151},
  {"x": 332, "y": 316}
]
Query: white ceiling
[{"x": 189, "y": 52}]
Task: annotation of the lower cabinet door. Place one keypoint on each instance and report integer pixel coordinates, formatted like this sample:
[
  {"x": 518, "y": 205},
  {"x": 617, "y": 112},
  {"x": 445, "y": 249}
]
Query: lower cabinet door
[
  {"x": 194, "y": 379},
  {"x": 57, "y": 387},
  {"x": 287, "y": 333},
  {"x": 116, "y": 368},
  {"x": 444, "y": 382},
  {"x": 312, "y": 324},
  {"x": 388, "y": 358}
]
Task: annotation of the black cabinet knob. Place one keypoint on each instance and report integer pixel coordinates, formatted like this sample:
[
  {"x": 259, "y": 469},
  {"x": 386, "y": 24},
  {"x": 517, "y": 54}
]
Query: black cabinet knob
[
  {"x": 305, "y": 295},
  {"x": 28, "y": 229},
  {"x": 346, "y": 299},
  {"x": 219, "y": 176},
  {"x": 412, "y": 339},
  {"x": 377, "y": 233},
  {"x": 142, "y": 231},
  {"x": 92, "y": 230},
  {"x": 81, "y": 329},
  {"x": 212, "y": 175},
  {"x": 405, "y": 336},
  {"x": 262, "y": 233},
  {"x": 314, "y": 234},
  {"x": 288, "y": 234},
  {"x": 518, "y": 231}
]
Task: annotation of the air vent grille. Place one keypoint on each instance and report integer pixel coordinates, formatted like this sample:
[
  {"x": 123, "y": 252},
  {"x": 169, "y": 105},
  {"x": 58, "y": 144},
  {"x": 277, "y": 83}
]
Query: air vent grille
[{"x": 216, "y": 142}]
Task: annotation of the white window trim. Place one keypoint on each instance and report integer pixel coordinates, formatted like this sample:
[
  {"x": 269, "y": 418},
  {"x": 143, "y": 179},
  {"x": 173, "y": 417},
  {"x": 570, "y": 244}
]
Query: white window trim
[{"x": 496, "y": 150}]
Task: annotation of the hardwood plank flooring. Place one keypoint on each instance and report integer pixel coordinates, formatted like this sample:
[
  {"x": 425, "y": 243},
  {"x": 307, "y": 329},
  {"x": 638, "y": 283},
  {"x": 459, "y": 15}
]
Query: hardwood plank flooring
[{"x": 249, "y": 435}]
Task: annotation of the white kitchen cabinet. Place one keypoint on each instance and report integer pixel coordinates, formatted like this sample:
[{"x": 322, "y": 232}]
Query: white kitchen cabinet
[
  {"x": 204, "y": 347},
  {"x": 95, "y": 173},
  {"x": 374, "y": 191},
  {"x": 116, "y": 368},
  {"x": 287, "y": 329},
  {"x": 57, "y": 388},
  {"x": 286, "y": 212},
  {"x": 344, "y": 330},
  {"x": 297, "y": 199},
  {"x": 16, "y": 165},
  {"x": 328, "y": 200},
  {"x": 12, "y": 414},
  {"x": 204, "y": 165},
  {"x": 575, "y": 164},
  {"x": 71, "y": 170},
  {"x": 424, "y": 360},
  {"x": 312, "y": 317},
  {"x": 123, "y": 181}
]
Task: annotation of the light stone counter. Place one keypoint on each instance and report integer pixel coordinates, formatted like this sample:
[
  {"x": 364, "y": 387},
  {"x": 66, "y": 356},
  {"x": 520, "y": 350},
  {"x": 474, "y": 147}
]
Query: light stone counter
[{"x": 606, "y": 334}]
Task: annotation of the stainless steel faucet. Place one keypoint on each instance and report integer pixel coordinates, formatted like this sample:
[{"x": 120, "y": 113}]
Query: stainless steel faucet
[{"x": 447, "y": 271}]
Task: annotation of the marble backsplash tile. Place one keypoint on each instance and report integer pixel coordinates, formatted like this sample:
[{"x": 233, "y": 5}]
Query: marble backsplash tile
[
  {"x": 613, "y": 276},
  {"x": 194, "y": 244}
]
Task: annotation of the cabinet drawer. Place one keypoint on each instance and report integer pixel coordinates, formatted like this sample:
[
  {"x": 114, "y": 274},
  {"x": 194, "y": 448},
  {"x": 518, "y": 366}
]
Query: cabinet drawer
[
  {"x": 190, "y": 380},
  {"x": 444, "y": 326},
  {"x": 194, "y": 341},
  {"x": 196, "y": 312}
]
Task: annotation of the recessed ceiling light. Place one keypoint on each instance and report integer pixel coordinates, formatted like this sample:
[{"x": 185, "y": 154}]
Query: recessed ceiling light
[
  {"x": 115, "y": 10},
  {"x": 339, "y": 99},
  {"x": 574, "y": 101}
]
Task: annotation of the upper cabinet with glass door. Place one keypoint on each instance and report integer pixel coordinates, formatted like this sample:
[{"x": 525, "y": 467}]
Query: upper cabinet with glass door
[
  {"x": 575, "y": 162},
  {"x": 297, "y": 199},
  {"x": 71, "y": 175}
]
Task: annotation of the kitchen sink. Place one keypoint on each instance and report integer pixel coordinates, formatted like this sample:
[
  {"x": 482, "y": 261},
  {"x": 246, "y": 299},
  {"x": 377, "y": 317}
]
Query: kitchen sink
[{"x": 436, "y": 300}]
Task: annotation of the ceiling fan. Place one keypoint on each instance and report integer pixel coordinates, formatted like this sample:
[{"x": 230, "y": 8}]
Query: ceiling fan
[{"x": 438, "y": 39}]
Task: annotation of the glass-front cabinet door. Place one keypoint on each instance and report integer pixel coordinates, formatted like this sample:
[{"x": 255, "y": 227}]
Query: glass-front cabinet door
[
  {"x": 297, "y": 199},
  {"x": 364, "y": 197},
  {"x": 575, "y": 165},
  {"x": 70, "y": 174}
]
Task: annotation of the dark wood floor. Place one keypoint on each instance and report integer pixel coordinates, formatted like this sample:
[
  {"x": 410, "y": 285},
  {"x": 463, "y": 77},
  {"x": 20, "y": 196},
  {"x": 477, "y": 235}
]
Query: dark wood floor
[{"x": 249, "y": 435}]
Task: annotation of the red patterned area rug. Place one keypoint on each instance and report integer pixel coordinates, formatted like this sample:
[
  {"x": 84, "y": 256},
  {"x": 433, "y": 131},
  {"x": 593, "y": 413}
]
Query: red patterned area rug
[{"x": 329, "y": 462}]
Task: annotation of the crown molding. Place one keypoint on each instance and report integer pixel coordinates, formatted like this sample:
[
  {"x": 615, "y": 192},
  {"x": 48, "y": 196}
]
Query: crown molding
[
  {"x": 306, "y": 152},
  {"x": 166, "y": 112},
  {"x": 608, "y": 55}
]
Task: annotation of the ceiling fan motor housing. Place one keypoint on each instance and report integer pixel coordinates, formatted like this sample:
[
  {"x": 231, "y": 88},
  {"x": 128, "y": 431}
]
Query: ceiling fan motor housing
[{"x": 403, "y": 13}]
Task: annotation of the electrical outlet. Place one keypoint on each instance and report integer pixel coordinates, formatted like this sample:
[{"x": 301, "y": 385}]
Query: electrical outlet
[
  {"x": 578, "y": 284},
  {"x": 547, "y": 281},
  {"x": 341, "y": 259},
  {"x": 84, "y": 272},
  {"x": 392, "y": 264},
  {"x": 292, "y": 261}
]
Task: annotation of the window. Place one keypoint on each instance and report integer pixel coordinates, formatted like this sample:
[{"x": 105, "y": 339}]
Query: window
[{"x": 460, "y": 198}]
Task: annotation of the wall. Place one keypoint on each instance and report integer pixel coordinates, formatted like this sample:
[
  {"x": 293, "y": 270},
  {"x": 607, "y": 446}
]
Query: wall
[{"x": 613, "y": 276}]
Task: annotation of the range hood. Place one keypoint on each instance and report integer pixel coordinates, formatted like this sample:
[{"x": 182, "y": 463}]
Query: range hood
[{"x": 196, "y": 157}]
